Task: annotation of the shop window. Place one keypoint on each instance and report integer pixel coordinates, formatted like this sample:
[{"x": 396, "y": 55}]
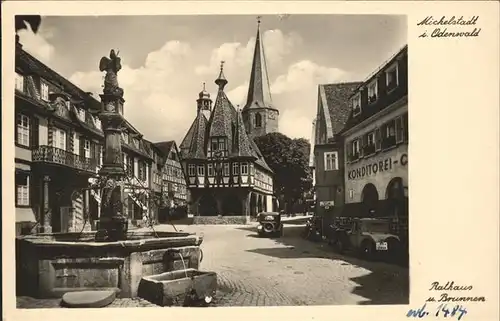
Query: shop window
[
  {"x": 22, "y": 189},
  {"x": 23, "y": 130},
  {"x": 372, "y": 91},
  {"x": 391, "y": 77},
  {"x": 331, "y": 161}
]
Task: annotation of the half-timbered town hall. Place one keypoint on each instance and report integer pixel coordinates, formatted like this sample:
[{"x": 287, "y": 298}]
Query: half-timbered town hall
[{"x": 226, "y": 172}]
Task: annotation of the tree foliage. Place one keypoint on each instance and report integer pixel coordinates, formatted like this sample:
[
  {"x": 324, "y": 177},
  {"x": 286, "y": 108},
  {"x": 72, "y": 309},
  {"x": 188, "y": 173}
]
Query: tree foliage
[
  {"x": 289, "y": 159},
  {"x": 33, "y": 21}
]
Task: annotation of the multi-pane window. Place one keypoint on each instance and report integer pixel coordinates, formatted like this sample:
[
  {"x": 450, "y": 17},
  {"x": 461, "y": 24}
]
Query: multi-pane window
[
  {"x": 86, "y": 148},
  {"x": 390, "y": 129},
  {"x": 201, "y": 170},
  {"x": 226, "y": 169},
  {"x": 244, "y": 168},
  {"x": 355, "y": 147},
  {"x": 372, "y": 91},
  {"x": 236, "y": 169},
  {"x": 19, "y": 82},
  {"x": 191, "y": 170},
  {"x": 23, "y": 130},
  {"x": 44, "y": 91},
  {"x": 222, "y": 145},
  {"x": 331, "y": 161},
  {"x": 391, "y": 76},
  {"x": 210, "y": 168},
  {"x": 370, "y": 139},
  {"x": 59, "y": 138},
  {"x": 22, "y": 189}
]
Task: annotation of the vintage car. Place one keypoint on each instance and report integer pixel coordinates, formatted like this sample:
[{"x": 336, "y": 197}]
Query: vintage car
[
  {"x": 269, "y": 224},
  {"x": 369, "y": 237}
]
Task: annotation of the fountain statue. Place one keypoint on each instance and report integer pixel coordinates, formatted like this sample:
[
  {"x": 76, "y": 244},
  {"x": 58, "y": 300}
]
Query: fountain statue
[{"x": 112, "y": 223}]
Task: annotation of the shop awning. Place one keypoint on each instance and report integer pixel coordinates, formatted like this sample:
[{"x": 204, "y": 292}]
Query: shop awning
[{"x": 25, "y": 215}]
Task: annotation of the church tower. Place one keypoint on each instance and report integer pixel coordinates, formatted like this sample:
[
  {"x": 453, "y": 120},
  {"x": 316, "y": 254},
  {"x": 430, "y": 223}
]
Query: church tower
[{"x": 259, "y": 115}]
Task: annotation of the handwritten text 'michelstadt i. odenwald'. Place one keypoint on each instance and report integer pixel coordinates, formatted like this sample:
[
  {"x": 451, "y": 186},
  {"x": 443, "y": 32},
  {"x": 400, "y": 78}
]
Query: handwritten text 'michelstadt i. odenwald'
[{"x": 450, "y": 27}]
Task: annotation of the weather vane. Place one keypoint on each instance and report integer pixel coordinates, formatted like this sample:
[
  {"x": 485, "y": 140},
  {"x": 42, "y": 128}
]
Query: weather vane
[
  {"x": 258, "y": 19},
  {"x": 203, "y": 85},
  {"x": 222, "y": 64}
]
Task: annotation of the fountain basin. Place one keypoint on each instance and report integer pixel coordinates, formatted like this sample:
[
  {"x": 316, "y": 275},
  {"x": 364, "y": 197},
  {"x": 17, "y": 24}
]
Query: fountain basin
[
  {"x": 52, "y": 264},
  {"x": 171, "y": 288}
]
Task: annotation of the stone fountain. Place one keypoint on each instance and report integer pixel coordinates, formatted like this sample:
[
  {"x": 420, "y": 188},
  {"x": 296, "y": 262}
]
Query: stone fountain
[{"x": 111, "y": 258}]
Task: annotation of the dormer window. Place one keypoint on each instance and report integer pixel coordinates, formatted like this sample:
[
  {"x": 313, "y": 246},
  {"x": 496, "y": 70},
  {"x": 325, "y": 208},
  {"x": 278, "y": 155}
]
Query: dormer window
[
  {"x": 44, "y": 91},
  {"x": 372, "y": 91},
  {"x": 356, "y": 104},
  {"x": 19, "y": 82},
  {"x": 81, "y": 114},
  {"x": 392, "y": 77},
  {"x": 258, "y": 120}
]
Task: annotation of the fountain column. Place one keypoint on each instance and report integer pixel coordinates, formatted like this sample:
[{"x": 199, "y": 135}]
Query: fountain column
[
  {"x": 46, "y": 218},
  {"x": 113, "y": 222}
]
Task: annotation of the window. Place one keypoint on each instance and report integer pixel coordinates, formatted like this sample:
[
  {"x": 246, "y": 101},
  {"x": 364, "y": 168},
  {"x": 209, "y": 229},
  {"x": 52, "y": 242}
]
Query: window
[
  {"x": 356, "y": 104},
  {"x": 355, "y": 147},
  {"x": 391, "y": 76},
  {"x": 125, "y": 137},
  {"x": 222, "y": 145},
  {"x": 210, "y": 168},
  {"x": 370, "y": 139},
  {"x": 98, "y": 123},
  {"x": 86, "y": 148},
  {"x": 390, "y": 129},
  {"x": 236, "y": 169},
  {"x": 405, "y": 127},
  {"x": 226, "y": 169},
  {"x": 101, "y": 155},
  {"x": 389, "y": 134},
  {"x": 19, "y": 82},
  {"x": 23, "y": 130},
  {"x": 201, "y": 170},
  {"x": 244, "y": 168},
  {"x": 258, "y": 120},
  {"x": 22, "y": 189},
  {"x": 68, "y": 104},
  {"x": 331, "y": 161},
  {"x": 372, "y": 91},
  {"x": 399, "y": 129},
  {"x": 44, "y": 91},
  {"x": 59, "y": 138}
]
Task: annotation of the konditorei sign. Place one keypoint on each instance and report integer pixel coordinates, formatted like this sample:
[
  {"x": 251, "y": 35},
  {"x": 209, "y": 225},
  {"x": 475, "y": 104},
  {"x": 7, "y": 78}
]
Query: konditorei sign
[{"x": 371, "y": 169}]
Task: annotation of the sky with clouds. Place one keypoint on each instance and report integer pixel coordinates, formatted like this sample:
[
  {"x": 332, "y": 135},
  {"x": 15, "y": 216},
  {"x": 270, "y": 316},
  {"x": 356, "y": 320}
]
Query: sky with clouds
[{"x": 167, "y": 58}]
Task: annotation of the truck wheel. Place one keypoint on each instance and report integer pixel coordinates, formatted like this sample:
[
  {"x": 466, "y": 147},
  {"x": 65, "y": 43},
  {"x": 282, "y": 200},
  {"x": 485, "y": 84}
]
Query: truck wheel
[{"x": 367, "y": 250}]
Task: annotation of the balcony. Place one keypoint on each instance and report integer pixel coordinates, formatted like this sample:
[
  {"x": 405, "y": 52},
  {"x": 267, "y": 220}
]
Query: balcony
[
  {"x": 53, "y": 155},
  {"x": 388, "y": 142}
]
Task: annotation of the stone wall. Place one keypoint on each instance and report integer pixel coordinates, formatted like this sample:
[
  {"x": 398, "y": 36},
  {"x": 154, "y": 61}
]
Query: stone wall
[{"x": 216, "y": 220}]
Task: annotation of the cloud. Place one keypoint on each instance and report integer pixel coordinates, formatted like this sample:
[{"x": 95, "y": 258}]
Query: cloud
[
  {"x": 37, "y": 43},
  {"x": 160, "y": 96},
  {"x": 237, "y": 55}
]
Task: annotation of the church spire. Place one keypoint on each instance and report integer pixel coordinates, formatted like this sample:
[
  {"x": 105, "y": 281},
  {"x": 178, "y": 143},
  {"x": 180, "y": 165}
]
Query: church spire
[
  {"x": 221, "y": 80},
  {"x": 259, "y": 94}
]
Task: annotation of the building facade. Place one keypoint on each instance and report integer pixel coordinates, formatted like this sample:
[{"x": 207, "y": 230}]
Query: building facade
[
  {"x": 332, "y": 114},
  {"x": 172, "y": 180},
  {"x": 259, "y": 115},
  {"x": 59, "y": 151},
  {"x": 376, "y": 143},
  {"x": 226, "y": 173}
]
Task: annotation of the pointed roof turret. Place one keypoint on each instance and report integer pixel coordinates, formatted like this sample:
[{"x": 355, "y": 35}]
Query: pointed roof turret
[
  {"x": 259, "y": 93},
  {"x": 197, "y": 144},
  {"x": 221, "y": 80}
]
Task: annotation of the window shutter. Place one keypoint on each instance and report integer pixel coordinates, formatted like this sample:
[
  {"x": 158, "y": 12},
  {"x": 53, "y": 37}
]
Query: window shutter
[
  {"x": 82, "y": 146},
  {"x": 34, "y": 132},
  {"x": 378, "y": 139},
  {"x": 405, "y": 127},
  {"x": 399, "y": 129}
]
